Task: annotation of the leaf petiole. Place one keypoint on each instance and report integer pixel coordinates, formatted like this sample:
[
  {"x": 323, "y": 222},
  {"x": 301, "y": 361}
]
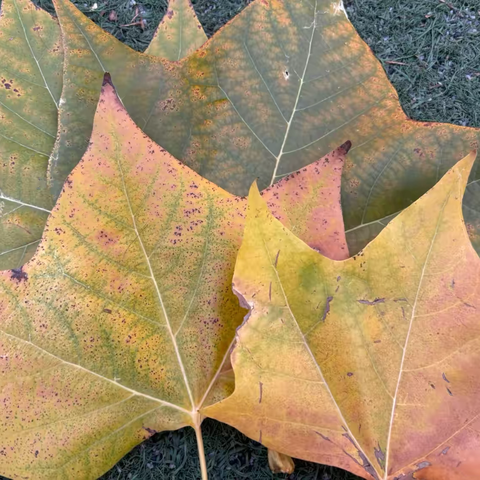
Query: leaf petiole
[{"x": 201, "y": 451}]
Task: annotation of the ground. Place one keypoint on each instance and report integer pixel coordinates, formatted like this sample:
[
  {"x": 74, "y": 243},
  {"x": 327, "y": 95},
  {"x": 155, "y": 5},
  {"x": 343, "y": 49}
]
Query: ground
[{"x": 431, "y": 52}]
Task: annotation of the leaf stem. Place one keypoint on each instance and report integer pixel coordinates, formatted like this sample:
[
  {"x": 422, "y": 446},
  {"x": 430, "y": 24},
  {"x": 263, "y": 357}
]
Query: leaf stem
[{"x": 201, "y": 451}]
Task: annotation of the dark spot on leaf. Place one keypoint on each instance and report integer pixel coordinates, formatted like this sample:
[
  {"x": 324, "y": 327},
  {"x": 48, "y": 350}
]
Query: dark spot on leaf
[
  {"x": 327, "y": 309},
  {"x": 444, "y": 451},
  {"x": 345, "y": 148},
  {"x": 107, "y": 310},
  {"x": 349, "y": 374},
  {"x": 276, "y": 259},
  {"x": 374, "y": 302},
  {"x": 366, "y": 465},
  {"x": 445, "y": 378},
  {"x": 107, "y": 79},
  {"x": 150, "y": 431},
  {"x": 323, "y": 436},
  {"x": 380, "y": 456},
  {"x": 18, "y": 274}
]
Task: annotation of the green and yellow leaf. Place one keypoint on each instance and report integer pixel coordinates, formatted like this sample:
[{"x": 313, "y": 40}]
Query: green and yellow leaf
[
  {"x": 121, "y": 324},
  {"x": 31, "y": 68},
  {"x": 371, "y": 363}
]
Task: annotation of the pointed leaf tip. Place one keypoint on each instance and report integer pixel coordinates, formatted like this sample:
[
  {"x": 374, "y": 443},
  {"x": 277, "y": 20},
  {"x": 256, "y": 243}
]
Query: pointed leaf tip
[
  {"x": 179, "y": 34},
  {"x": 254, "y": 191}
]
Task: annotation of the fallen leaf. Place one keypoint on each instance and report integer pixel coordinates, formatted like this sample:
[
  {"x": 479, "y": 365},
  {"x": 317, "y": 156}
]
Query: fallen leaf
[
  {"x": 31, "y": 67},
  {"x": 121, "y": 324},
  {"x": 369, "y": 364}
]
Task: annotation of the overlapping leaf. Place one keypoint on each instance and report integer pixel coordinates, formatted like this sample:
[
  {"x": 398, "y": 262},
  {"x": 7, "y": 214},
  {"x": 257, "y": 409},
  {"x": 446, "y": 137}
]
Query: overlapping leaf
[
  {"x": 120, "y": 326},
  {"x": 371, "y": 363},
  {"x": 285, "y": 82},
  {"x": 31, "y": 68}
]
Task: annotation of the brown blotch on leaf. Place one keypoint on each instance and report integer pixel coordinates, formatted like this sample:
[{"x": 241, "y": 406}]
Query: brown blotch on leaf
[
  {"x": 107, "y": 80},
  {"x": 276, "y": 258},
  {"x": 327, "y": 309},
  {"x": 345, "y": 147},
  {"x": 18, "y": 274},
  {"x": 151, "y": 431},
  {"x": 379, "y": 455},
  {"x": 323, "y": 436},
  {"x": 374, "y": 302},
  {"x": 366, "y": 465}
]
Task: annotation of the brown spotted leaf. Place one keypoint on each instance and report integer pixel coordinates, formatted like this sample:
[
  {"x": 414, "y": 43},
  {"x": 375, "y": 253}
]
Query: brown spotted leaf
[
  {"x": 371, "y": 363},
  {"x": 31, "y": 67},
  {"x": 179, "y": 33},
  {"x": 121, "y": 324},
  {"x": 283, "y": 83}
]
